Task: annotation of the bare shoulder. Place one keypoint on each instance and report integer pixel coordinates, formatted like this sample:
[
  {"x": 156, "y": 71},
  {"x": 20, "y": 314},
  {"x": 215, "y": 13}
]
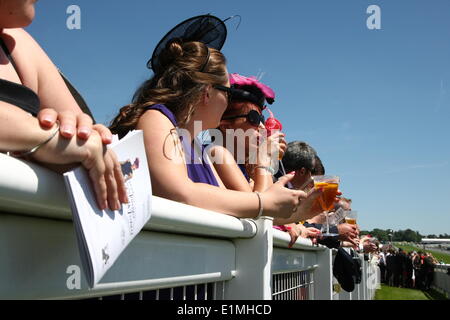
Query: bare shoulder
[
  {"x": 18, "y": 39},
  {"x": 154, "y": 121},
  {"x": 160, "y": 138},
  {"x": 17, "y": 33}
]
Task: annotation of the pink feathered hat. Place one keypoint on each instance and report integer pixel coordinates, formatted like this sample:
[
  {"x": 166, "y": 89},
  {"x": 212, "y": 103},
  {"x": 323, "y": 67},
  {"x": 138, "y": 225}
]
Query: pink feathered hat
[{"x": 250, "y": 89}]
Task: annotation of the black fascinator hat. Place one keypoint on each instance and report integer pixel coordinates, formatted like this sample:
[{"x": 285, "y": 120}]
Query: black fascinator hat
[{"x": 207, "y": 29}]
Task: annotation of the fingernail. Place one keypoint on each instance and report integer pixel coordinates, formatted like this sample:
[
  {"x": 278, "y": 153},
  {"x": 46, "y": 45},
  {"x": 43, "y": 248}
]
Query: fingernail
[
  {"x": 288, "y": 228},
  {"x": 67, "y": 130},
  {"x": 107, "y": 138},
  {"x": 85, "y": 131},
  {"x": 47, "y": 120},
  {"x": 292, "y": 173}
]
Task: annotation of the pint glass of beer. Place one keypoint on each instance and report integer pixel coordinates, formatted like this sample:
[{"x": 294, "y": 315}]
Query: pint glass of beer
[{"x": 351, "y": 217}]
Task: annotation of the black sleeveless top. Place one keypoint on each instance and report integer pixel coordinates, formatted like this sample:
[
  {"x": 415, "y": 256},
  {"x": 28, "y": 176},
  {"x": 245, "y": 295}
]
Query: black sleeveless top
[{"x": 17, "y": 94}]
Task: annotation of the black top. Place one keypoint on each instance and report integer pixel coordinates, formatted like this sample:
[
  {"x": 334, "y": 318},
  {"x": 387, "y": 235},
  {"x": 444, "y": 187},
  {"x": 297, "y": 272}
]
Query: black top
[{"x": 17, "y": 94}]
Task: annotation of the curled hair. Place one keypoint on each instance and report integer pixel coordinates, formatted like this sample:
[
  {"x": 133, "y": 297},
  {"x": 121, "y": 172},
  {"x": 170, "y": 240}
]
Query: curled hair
[{"x": 179, "y": 86}]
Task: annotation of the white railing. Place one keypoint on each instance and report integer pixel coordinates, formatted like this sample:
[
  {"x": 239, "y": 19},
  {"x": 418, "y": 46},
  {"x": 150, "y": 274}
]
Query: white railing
[
  {"x": 441, "y": 278},
  {"x": 183, "y": 253}
]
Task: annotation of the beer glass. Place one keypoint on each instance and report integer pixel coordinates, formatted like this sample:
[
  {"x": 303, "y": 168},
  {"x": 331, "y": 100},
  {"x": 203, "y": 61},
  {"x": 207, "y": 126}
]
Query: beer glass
[
  {"x": 330, "y": 185},
  {"x": 351, "y": 217}
]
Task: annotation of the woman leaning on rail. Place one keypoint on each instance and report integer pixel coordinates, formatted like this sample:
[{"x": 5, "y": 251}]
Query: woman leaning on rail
[{"x": 190, "y": 84}]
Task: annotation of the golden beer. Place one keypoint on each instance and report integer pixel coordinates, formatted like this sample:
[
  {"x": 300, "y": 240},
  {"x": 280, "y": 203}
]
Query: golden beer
[{"x": 350, "y": 220}]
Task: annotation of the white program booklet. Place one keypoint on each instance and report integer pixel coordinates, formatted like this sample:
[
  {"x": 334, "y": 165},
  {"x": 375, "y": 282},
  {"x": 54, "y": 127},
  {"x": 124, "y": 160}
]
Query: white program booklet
[{"x": 102, "y": 235}]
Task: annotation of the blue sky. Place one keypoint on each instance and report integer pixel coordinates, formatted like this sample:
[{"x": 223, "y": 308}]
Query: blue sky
[{"x": 375, "y": 104}]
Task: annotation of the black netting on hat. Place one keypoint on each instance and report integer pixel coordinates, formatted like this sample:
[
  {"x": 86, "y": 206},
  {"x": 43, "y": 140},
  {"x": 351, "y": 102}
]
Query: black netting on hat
[{"x": 207, "y": 29}]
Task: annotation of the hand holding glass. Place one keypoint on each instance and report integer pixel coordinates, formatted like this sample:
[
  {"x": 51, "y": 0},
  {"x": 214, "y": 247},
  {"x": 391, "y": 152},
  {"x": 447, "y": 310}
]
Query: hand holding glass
[{"x": 329, "y": 185}]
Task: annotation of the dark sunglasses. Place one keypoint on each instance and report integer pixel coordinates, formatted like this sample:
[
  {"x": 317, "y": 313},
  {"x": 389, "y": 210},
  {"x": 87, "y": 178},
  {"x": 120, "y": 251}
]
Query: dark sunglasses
[
  {"x": 227, "y": 90},
  {"x": 253, "y": 117}
]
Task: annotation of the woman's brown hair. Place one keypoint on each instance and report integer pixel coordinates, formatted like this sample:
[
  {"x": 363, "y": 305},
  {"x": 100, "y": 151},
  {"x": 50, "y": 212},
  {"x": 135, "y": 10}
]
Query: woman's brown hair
[{"x": 179, "y": 87}]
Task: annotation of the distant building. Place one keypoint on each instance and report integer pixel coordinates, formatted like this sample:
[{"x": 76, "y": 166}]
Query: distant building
[{"x": 435, "y": 241}]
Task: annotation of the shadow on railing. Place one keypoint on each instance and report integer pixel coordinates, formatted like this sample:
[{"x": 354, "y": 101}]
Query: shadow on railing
[{"x": 183, "y": 253}]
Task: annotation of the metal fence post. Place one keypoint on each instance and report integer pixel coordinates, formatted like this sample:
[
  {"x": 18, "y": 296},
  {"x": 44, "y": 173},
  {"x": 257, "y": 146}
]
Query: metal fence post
[
  {"x": 365, "y": 294},
  {"x": 323, "y": 276},
  {"x": 253, "y": 277}
]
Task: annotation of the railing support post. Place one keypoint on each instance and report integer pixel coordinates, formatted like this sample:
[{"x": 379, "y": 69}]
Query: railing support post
[
  {"x": 364, "y": 280},
  {"x": 323, "y": 276},
  {"x": 253, "y": 277}
]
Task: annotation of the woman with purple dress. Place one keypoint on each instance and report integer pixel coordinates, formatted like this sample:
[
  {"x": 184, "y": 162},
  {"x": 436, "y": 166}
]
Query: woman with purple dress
[{"x": 188, "y": 94}]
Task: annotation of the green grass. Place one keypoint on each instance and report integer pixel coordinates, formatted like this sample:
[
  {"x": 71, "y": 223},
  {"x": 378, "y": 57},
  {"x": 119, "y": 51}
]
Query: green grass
[
  {"x": 391, "y": 293},
  {"x": 438, "y": 255}
]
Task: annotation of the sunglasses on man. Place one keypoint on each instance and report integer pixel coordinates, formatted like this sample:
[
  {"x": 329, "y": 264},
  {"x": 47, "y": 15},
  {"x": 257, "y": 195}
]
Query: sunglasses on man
[{"x": 253, "y": 117}]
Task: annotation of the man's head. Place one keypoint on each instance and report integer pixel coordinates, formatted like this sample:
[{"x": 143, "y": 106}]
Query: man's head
[
  {"x": 319, "y": 169},
  {"x": 299, "y": 157}
]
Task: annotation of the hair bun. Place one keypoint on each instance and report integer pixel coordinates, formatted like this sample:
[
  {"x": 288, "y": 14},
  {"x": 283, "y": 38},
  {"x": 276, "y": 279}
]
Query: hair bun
[
  {"x": 172, "y": 52},
  {"x": 175, "y": 47}
]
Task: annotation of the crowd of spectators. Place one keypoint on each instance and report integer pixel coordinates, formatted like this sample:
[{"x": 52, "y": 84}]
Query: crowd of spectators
[
  {"x": 406, "y": 269},
  {"x": 190, "y": 83}
]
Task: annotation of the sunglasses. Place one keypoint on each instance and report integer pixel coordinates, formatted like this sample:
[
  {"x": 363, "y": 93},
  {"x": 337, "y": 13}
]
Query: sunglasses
[
  {"x": 253, "y": 117},
  {"x": 227, "y": 90}
]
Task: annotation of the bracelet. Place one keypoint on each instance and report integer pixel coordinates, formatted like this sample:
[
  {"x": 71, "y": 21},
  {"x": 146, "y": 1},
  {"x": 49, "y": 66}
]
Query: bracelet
[
  {"x": 22, "y": 154},
  {"x": 261, "y": 208},
  {"x": 268, "y": 169}
]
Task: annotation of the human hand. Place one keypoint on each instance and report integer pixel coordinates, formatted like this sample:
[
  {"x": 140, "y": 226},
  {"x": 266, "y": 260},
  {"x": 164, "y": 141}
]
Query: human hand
[
  {"x": 104, "y": 132},
  {"x": 102, "y": 165},
  {"x": 271, "y": 149},
  {"x": 281, "y": 202},
  {"x": 69, "y": 122},
  {"x": 307, "y": 208},
  {"x": 311, "y": 233},
  {"x": 369, "y": 247},
  {"x": 105, "y": 173},
  {"x": 347, "y": 232},
  {"x": 277, "y": 145},
  {"x": 294, "y": 233}
]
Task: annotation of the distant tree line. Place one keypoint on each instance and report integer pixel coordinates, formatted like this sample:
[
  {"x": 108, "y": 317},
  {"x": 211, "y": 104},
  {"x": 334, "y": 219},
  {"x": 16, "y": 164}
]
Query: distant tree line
[
  {"x": 407, "y": 235},
  {"x": 441, "y": 236}
]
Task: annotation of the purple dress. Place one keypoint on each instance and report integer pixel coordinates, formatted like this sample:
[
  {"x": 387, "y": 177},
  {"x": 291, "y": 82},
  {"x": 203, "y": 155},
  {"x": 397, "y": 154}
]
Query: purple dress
[{"x": 198, "y": 168}]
